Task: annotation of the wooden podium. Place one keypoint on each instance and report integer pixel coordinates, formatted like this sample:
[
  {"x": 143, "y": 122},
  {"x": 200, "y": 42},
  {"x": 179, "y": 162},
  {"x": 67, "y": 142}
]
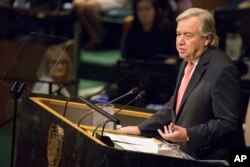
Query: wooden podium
[{"x": 47, "y": 138}]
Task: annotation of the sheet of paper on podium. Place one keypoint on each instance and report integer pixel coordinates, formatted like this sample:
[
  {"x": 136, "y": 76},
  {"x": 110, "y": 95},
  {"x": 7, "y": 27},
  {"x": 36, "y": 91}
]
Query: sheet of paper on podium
[
  {"x": 150, "y": 145},
  {"x": 135, "y": 143}
]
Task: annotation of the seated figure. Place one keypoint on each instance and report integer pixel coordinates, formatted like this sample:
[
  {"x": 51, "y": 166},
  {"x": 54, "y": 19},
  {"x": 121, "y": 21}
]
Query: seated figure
[
  {"x": 89, "y": 13},
  {"x": 55, "y": 70}
]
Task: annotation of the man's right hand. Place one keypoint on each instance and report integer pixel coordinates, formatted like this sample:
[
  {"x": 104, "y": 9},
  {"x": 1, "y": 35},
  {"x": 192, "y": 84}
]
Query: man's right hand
[{"x": 133, "y": 130}]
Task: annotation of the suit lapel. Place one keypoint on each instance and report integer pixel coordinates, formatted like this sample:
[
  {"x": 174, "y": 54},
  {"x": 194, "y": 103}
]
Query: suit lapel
[{"x": 196, "y": 77}]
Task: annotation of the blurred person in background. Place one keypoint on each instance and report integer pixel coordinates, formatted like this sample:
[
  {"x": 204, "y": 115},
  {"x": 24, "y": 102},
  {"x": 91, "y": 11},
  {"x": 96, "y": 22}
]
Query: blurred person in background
[
  {"x": 182, "y": 5},
  {"x": 149, "y": 40},
  {"x": 89, "y": 13},
  {"x": 149, "y": 36},
  {"x": 54, "y": 71}
]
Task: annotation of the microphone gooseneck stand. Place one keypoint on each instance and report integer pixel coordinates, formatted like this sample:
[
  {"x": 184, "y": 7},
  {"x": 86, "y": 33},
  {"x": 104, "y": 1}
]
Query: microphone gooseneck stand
[
  {"x": 140, "y": 94},
  {"x": 105, "y": 139},
  {"x": 16, "y": 91},
  {"x": 66, "y": 106},
  {"x": 132, "y": 91},
  {"x": 84, "y": 116},
  {"x": 110, "y": 118}
]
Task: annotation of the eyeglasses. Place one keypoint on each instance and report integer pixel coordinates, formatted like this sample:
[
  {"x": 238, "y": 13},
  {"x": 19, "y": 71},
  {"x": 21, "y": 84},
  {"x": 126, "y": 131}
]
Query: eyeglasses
[{"x": 60, "y": 62}]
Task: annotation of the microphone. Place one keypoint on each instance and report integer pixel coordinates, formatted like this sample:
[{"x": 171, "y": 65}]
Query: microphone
[
  {"x": 101, "y": 111},
  {"x": 140, "y": 95},
  {"x": 132, "y": 91}
]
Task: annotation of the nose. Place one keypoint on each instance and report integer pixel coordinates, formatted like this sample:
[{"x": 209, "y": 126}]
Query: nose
[{"x": 180, "y": 40}]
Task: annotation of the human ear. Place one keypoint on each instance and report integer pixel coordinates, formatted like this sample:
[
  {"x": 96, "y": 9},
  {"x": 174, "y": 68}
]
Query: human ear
[{"x": 208, "y": 40}]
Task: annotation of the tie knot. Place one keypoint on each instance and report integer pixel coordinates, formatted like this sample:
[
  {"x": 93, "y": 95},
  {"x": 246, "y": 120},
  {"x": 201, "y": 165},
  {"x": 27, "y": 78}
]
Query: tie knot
[
  {"x": 189, "y": 68},
  {"x": 190, "y": 63}
]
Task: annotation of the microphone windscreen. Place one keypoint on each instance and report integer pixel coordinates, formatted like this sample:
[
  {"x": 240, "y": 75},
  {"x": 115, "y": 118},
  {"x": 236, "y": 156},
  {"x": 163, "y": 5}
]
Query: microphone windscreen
[
  {"x": 141, "y": 94},
  {"x": 134, "y": 90}
]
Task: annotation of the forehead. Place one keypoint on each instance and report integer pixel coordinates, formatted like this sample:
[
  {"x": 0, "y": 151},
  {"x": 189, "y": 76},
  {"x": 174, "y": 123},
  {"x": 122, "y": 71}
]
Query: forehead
[
  {"x": 191, "y": 24},
  {"x": 144, "y": 3},
  {"x": 56, "y": 56}
]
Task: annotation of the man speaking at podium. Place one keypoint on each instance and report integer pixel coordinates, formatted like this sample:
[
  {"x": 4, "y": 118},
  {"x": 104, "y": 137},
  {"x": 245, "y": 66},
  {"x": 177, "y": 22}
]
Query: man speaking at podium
[{"x": 203, "y": 115}]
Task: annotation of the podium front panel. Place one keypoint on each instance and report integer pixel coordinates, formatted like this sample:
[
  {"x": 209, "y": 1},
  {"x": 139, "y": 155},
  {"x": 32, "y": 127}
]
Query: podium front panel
[{"x": 49, "y": 139}]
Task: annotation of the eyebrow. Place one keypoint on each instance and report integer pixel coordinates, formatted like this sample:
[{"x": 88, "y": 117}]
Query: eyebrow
[
  {"x": 188, "y": 33},
  {"x": 177, "y": 32}
]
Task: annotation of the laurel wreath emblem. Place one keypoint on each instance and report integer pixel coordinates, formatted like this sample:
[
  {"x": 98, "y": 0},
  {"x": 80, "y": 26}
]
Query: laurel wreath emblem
[{"x": 54, "y": 147}]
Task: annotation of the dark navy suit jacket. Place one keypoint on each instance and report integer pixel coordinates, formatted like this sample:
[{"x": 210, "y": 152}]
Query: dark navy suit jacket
[{"x": 210, "y": 109}]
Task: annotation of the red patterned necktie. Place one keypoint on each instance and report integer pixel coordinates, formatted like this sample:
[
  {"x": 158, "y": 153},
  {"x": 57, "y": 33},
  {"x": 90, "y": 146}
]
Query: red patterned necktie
[{"x": 184, "y": 83}]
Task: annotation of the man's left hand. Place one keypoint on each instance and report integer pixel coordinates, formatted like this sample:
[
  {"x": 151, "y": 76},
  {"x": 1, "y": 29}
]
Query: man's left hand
[{"x": 174, "y": 133}]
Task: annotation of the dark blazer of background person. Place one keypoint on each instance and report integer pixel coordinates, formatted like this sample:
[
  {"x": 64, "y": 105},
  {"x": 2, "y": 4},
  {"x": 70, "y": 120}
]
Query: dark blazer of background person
[
  {"x": 160, "y": 40},
  {"x": 209, "y": 111}
]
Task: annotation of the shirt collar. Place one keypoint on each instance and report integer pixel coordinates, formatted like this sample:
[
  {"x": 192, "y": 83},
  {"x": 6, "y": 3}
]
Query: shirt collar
[{"x": 195, "y": 62}]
